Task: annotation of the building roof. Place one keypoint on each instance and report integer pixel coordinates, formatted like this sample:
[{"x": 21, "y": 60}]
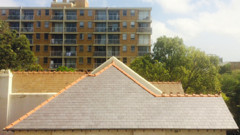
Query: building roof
[
  {"x": 169, "y": 87},
  {"x": 112, "y": 99}
]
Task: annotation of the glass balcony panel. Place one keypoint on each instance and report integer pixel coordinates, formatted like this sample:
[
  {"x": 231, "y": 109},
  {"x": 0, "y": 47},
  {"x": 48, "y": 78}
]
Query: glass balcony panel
[
  {"x": 100, "y": 17},
  {"x": 14, "y": 28},
  {"x": 113, "y": 17},
  {"x": 55, "y": 65},
  {"x": 99, "y": 53},
  {"x": 56, "y": 53},
  {"x": 56, "y": 41},
  {"x": 27, "y": 29},
  {"x": 70, "y": 29},
  {"x": 97, "y": 65},
  {"x": 100, "y": 41},
  {"x": 30, "y": 41},
  {"x": 71, "y": 17},
  {"x": 27, "y": 17},
  {"x": 144, "y": 41},
  {"x": 142, "y": 53},
  {"x": 114, "y": 29},
  {"x": 57, "y": 29},
  {"x": 70, "y": 53},
  {"x": 100, "y": 29},
  {"x": 14, "y": 17},
  {"x": 57, "y": 17},
  {"x": 70, "y": 41},
  {"x": 70, "y": 65},
  {"x": 144, "y": 29},
  {"x": 113, "y": 53},
  {"x": 113, "y": 41}
]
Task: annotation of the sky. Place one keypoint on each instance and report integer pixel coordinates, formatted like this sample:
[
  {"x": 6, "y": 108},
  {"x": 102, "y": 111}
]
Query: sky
[{"x": 212, "y": 26}]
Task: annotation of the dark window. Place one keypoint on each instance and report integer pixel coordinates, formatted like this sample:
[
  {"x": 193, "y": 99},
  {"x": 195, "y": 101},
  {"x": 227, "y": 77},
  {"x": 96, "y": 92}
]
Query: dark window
[
  {"x": 124, "y": 12},
  {"x": 124, "y": 24},
  {"x": 47, "y": 12},
  {"x": 89, "y": 48},
  {"x": 38, "y": 36},
  {"x": 81, "y": 24},
  {"x": 124, "y": 48},
  {"x": 125, "y": 60},
  {"x": 3, "y": 12},
  {"x": 132, "y": 12},
  {"x": 45, "y": 60},
  {"x": 39, "y": 12},
  {"x": 37, "y": 48},
  {"x": 45, "y": 48},
  {"x": 31, "y": 48},
  {"x": 133, "y": 48},
  {"x": 81, "y": 12},
  {"x": 46, "y": 24},
  {"x": 81, "y": 60},
  {"x": 89, "y": 60},
  {"x": 81, "y": 36},
  {"x": 132, "y": 36},
  {"x": 89, "y": 36},
  {"x": 132, "y": 24},
  {"x": 89, "y": 12},
  {"x": 38, "y": 24},
  {"x": 81, "y": 48},
  {"x": 46, "y": 36}
]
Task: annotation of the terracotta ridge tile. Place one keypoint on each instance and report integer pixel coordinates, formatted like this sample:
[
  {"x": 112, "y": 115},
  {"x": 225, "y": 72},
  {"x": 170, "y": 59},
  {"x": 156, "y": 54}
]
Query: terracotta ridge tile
[
  {"x": 44, "y": 103},
  {"x": 45, "y": 72}
]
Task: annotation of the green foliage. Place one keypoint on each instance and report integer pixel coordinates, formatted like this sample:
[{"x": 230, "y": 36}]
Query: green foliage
[
  {"x": 15, "y": 51},
  {"x": 173, "y": 61},
  {"x": 225, "y": 69},
  {"x": 65, "y": 69}
]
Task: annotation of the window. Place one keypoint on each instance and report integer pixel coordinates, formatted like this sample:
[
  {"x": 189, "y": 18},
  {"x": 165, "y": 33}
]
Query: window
[
  {"x": 47, "y": 12},
  {"x": 124, "y": 12},
  {"x": 125, "y": 60},
  {"x": 89, "y": 48},
  {"x": 132, "y": 24},
  {"x": 81, "y": 60},
  {"x": 81, "y": 48},
  {"x": 81, "y": 24},
  {"x": 38, "y": 36},
  {"x": 124, "y": 48},
  {"x": 46, "y": 36},
  {"x": 38, "y": 24},
  {"x": 31, "y": 48},
  {"x": 89, "y": 36},
  {"x": 37, "y": 48},
  {"x": 89, "y": 60},
  {"x": 89, "y": 12},
  {"x": 133, "y": 48},
  {"x": 39, "y": 12},
  {"x": 89, "y": 24},
  {"x": 81, "y": 36},
  {"x": 132, "y": 36},
  {"x": 124, "y": 36},
  {"x": 45, "y": 60},
  {"x": 81, "y": 12},
  {"x": 132, "y": 12},
  {"x": 3, "y": 12},
  {"x": 46, "y": 24},
  {"x": 124, "y": 24},
  {"x": 45, "y": 48}
]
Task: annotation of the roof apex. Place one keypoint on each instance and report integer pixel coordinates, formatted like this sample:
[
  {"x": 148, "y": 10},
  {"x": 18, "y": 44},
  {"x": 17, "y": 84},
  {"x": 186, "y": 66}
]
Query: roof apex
[{"x": 130, "y": 72}]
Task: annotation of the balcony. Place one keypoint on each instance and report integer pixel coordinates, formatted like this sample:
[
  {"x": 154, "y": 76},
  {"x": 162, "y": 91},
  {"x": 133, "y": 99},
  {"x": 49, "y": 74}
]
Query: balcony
[
  {"x": 15, "y": 28},
  {"x": 56, "y": 41},
  {"x": 113, "y": 53},
  {"x": 27, "y": 17},
  {"x": 99, "y": 53},
  {"x": 144, "y": 29},
  {"x": 27, "y": 29},
  {"x": 113, "y": 41},
  {"x": 144, "y": 18},
  {"x": 70, "y": 65},
  {"x": 57, "y": 29},
  {"x": 71, "y": 17},
  {"x": 113, "y": 17},
  {"x": 70, "y": 41},
  {"x": 100, "y": 29},
  {"x": 13, "y": 17},
  {"x": 57, "y": 17},
  {"x": 70, "y": 29},
  {"x": 97, "y": 65},
  {"x": 142, "y": 53},
  {"x": 70, "y": 53},
  {"x": 55, "y": 65},
  {"x": 30, "y": 41},
  {"x": 100, "y": 17},
  {"x": 56, "y": 53},
  {"x": 100, "y": 41},
  {"x": 114, "y": 29},
  {"x": 143, "y": 41}
]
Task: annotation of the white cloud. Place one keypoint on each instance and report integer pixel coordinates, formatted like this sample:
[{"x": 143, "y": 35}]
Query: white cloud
[{"x": 8, "y": 3}]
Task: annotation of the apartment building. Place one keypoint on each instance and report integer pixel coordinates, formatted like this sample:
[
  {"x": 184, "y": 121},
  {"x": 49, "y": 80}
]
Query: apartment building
[{"x": 70, "y": 33}]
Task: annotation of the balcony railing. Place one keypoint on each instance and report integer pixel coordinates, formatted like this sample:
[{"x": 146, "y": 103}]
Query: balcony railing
[
  {"x": 113, "y": 41},
  {"x": 143, "y": 41},
  {"x": 57, "y": 29},
  {"x": 70, "y": 65},
  {"x": 113, "y": 29},
  {"x": 70, "y": 29},
  {"x": 70, "y": 53},
  {"x": 100, "y": 17},
  {"x": 70, "y": 41},
  {"x": 99, "y": 53},
  {"x": 27, "y": 29},
  {"x": 100, "y": 41},
  {"x": 97, "y": 65},
  {"x": 113, "y": 53},
  {"x": 14, "y": 17},
  {"x": 27, "y": 17},
  {"x": 144, "y": 29},
  {"x": 141, "y": 17},
  {"x": 71, "y": 17},
  {"x": 56, "y": 41},
  {"x": 100, "y": 29},
  {"x": 142, "y": 53},
  {"x": 56, "y": 53},
  {"x": 113, "y": 17},
  {"x": 55, "y": 65},
  {"x": 57, "y": 17},
  {"x": 14, "y": 28}
]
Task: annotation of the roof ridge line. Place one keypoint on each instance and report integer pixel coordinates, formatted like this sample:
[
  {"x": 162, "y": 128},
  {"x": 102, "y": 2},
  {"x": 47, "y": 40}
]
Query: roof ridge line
[
  {"x": 43, "y": 103},
  {"x": 189, "y": 95},
  {"x": 46, "y": 72},
  {"x": 101, "y": 71}
]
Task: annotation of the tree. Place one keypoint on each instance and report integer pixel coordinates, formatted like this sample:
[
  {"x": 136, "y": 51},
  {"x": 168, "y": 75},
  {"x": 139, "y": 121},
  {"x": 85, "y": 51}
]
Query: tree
[
  {"x": 173, "y": 61},
  {"x": 15, "y": 51},
  {"x": 66, "y": 69}
]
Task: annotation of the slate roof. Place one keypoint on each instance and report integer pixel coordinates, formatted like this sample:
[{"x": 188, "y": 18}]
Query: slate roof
[
  {"x": 113, "y": 100},
  {"x": 169, "y": 87}
]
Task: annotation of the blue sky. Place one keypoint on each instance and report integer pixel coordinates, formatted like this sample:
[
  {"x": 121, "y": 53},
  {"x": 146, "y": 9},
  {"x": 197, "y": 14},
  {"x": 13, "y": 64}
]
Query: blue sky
[{"x": 211, "y": 25}]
